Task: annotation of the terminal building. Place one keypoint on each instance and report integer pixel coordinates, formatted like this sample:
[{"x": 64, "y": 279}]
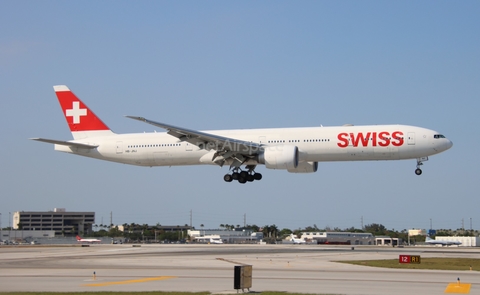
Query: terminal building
[
  {"x": 339, "y": 238},
  {"x": 59, "y": 220}
]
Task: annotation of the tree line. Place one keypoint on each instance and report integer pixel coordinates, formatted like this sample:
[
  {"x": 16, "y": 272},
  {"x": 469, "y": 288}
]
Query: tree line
[{"x": 271, "y": 233}]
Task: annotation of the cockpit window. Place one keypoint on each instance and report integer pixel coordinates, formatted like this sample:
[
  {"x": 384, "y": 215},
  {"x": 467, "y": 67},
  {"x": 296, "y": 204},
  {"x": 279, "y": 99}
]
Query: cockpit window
[{"x": 438, "y": 136}]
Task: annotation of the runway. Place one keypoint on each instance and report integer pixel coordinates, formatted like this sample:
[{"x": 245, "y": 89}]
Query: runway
[{"x": 172, "y": 267}]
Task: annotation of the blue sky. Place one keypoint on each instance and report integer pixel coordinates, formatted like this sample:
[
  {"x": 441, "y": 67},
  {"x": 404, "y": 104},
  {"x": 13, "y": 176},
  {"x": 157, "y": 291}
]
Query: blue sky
[{"x": 243, "y": 64}]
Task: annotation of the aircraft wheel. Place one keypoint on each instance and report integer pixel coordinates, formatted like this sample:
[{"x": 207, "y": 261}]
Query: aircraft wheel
[
  {"x": 244, "y": 174},
  {"x": 257, "y": 176},
  {"x": 242, "y": 180},
  {"x": 418, "y": 171},
  {"x": 235, "y": 175},
  {"x": 250, "y": 178},
  {"x": 228, "y": 178}
]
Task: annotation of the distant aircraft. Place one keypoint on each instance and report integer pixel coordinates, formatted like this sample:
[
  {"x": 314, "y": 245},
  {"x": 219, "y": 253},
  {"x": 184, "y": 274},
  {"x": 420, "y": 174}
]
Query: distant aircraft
[
  {"x": 430, "y": 241},
  {"x": 216, "y": 241},
  {"x": 79, "y": 239},
  {"x": 211, "y": 239},
  {"x": 296, "y": 150},
  {"x": 295, "y": 240}
]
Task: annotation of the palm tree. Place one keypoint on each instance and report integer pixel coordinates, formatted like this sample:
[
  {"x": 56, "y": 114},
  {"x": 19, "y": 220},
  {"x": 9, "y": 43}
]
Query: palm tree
[
  {"x": 274, "y": 230},
  {"x": 254, "y": 227}
]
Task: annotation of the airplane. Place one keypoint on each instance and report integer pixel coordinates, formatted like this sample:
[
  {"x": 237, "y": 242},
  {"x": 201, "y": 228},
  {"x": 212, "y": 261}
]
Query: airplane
[
  {"x": 216, "y": 241},
  {"x": 296, "y": 150},
  {"x": 295, "y": 240},
  {"x": 430, "y": 241},
  {"x": 81, "y": 240},
  {"x": 212, "y": 239}
]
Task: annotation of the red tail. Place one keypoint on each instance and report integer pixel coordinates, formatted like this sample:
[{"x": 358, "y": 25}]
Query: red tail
[
  {"x": 79, "y": 117},
  {"x": 78, "y": 238}
]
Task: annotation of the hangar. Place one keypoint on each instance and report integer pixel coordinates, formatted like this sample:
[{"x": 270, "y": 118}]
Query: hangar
[{"x": 466, "y": 241}]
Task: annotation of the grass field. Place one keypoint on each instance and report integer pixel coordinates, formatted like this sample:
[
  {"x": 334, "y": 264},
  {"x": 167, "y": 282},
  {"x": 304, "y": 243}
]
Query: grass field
[{"x": 426, "y": 263}]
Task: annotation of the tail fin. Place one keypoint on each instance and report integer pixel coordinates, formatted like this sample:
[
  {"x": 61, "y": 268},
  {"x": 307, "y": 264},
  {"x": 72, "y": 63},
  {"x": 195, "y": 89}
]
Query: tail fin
[
  {"x": 78, "y": 238},
  {"x": 82, "y": 121}
]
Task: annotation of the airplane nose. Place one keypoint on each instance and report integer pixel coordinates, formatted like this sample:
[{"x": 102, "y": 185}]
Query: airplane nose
[
  {"x": 446, "y": 145},
  {"x": 449, "y": 144}
]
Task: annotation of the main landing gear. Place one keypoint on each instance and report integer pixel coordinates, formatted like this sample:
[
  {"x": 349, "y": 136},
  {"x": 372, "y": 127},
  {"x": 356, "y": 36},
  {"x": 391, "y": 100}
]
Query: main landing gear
[
  {"x": 420, "y": 161},
  {"x": 242, "y": 176}
]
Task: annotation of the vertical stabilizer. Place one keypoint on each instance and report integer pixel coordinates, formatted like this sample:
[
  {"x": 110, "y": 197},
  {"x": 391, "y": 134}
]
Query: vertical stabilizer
[{"x": 83, "y": 123}]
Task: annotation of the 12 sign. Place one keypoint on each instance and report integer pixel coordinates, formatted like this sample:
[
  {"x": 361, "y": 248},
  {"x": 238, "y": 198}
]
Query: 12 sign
[{"x": 409, "y": 259}]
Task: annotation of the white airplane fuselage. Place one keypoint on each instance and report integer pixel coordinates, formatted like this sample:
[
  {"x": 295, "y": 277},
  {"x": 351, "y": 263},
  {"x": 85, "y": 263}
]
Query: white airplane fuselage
[{"x": 315, "y": 144}]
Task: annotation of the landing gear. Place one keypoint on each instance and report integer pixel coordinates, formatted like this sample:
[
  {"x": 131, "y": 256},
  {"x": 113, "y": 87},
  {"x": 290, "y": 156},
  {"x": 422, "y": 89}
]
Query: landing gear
[
  {"x": 228, "y": 178},
  {"x": 420, "y": 161},
  {"x": 235, "y": 175},
  {"x": 242, "y": 176}
]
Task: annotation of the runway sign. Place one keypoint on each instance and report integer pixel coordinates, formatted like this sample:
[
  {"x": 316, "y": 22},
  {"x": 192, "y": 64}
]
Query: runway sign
[{"x": 409, "y": 258}]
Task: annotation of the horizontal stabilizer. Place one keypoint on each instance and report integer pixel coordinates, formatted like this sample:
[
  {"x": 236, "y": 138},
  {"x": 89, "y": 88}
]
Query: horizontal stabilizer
[{"x": 66, "y": 143}]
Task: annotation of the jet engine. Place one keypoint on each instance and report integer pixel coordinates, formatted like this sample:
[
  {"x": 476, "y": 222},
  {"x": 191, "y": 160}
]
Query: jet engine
[
  {"x": 305, "y": 167},
  {"x": 279, "y": 157}
]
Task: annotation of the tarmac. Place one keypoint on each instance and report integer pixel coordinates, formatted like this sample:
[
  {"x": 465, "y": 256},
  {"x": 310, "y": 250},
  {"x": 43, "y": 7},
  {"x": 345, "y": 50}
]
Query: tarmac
[{"x": 195, "y": 268}]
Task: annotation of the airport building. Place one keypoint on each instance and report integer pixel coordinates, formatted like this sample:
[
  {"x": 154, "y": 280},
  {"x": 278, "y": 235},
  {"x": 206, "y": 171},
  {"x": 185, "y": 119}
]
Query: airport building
[
  {"x": 59, "y": 220},
  {"x": 465, "y": 241},
  {"x": 387, "y": 241},
  {"x": 20, "y": 235},
  {"x": 339, "y": 238},
  {"x": 237, "y": 236},
  {"x": 166, "y": 228}
]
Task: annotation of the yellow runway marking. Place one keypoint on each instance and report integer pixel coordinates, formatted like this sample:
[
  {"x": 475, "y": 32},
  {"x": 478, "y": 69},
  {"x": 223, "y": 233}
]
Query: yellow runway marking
[
  {"x": 458, "y": 288},
  {"x": 129, "y": 281}
]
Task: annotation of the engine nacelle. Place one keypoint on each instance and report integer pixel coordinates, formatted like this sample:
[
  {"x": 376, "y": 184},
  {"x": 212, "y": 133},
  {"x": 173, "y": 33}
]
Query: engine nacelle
[
  {"x": 279, "y": 157},
  {"x": 305, "y": 167}
]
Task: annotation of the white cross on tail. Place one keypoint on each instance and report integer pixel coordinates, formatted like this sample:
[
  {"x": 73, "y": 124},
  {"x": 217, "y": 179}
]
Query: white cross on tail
[{"x": 76, "y": 112}]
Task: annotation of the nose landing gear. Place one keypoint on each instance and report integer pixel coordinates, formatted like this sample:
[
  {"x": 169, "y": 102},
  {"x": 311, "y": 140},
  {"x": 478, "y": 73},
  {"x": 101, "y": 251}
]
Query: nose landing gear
[{"x": 420, "y": 161}]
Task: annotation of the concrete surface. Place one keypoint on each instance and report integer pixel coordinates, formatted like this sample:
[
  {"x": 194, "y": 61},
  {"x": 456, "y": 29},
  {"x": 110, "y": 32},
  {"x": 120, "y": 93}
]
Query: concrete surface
[{"x": 172, "y": 267}]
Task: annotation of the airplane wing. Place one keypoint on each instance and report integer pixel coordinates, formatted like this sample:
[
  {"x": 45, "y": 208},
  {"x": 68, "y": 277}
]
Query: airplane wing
[
  {"x": 66, "y": 143},
  {"x": 225, "y": 147}
]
